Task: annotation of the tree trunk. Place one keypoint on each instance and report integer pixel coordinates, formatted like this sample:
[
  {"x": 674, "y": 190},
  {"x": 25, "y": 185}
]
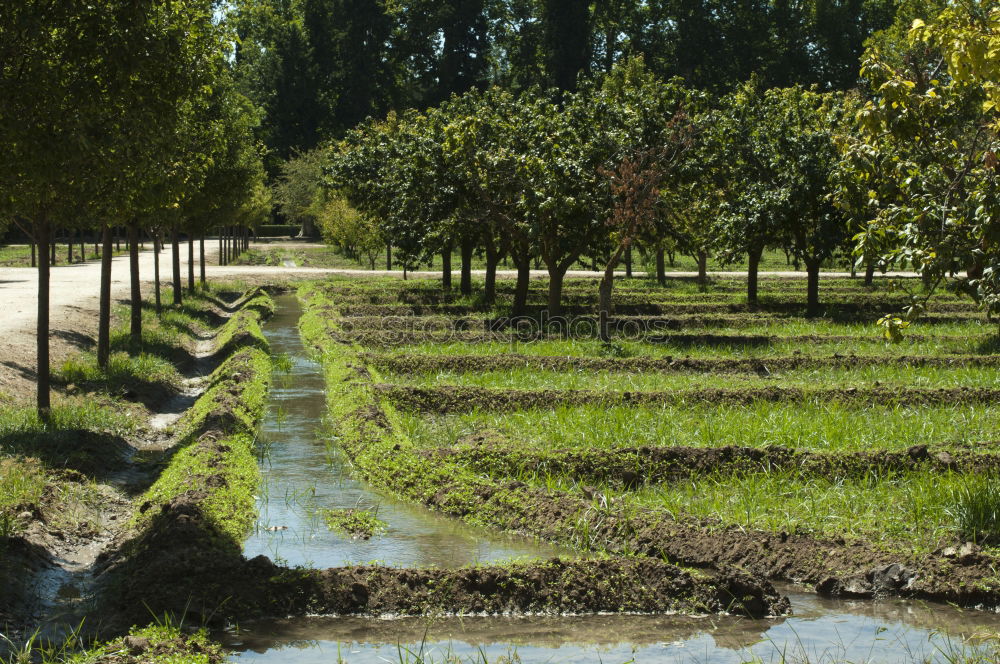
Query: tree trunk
[
  {"x": 869, "y": 273},
  {"x": 42, "y": 328},
  {"x": 604, "y": 292},
  {"x": 53, "y": 241},
  {"x": 753, "y": 260},
  {"x": 190, "y": 263},
  {"x": 604, "y": 303},
  {"x": 446, "y": 268},
  {"x": 69, "y": 247},
  {"x": 555, "y": 291},
  {"x": 104, "y": 315},
  {"x": 135, "y": 322},
  {"x": 176, "y": 259},
  {"x": 222, "y": 250},
  {"x": 34, "y": 260},
  {"x": 812, "y": 287},
  {"x": 156, "y": 272},
  {"x": 388, "y": 256},
  {"x": 83, "y": 248},
  {"x": 661, "y": 269},
  {"x": 490, "y": 289},
  {"x": 975, "y": 269},
  {"x": 521, "y": 288},
  {"x": 201, "y": 260},
  {"x": 468, "y": 246},
  {"x": 628, "y": 262},
  {"x": 702, "y": 267}
]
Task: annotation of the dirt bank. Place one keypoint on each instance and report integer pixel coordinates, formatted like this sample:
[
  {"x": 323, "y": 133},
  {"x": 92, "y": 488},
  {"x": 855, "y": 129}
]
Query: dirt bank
[{"x": 465, "y": 399}]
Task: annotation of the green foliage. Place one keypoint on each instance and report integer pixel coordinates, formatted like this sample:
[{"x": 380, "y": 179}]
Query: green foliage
[
  {"x": 922, "y": 174},
  {"x": 975, "y": 507},
  {"x": 892, "y": 328},
  {"x": 356, "y": 234},
  {"x": 298, "y": 190},
  {"x": 22, "y": 484},
  {"x": 361, "y": 524}
]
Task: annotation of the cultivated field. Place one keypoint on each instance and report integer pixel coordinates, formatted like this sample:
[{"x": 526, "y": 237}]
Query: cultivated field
[{"x": 705, "y": 433}]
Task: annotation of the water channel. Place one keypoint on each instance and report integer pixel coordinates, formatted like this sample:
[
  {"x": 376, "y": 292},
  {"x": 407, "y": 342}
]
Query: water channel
[{"x": 304, "y": 473}]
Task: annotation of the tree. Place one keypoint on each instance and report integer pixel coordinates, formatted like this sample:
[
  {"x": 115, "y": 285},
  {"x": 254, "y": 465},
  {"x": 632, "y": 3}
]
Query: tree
[
  {"x": 779, "y": 177},
  {"x": 358, "y": 235},
  {"x": 929, "y": 147}
]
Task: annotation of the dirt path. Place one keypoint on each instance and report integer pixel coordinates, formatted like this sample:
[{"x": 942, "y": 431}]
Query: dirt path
[{"x": 74, "y": 295}]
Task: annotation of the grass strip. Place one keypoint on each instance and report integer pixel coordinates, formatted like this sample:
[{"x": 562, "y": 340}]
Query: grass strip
[
  {"x": 409, "y": 365},
  {"x": 631, "y": 467}
]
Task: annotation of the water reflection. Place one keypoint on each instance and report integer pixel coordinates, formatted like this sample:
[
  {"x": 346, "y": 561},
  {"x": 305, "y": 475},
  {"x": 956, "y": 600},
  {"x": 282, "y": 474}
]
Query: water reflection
[
  {"x": 820, "y": 631},
  {"x": 306, "y": 473}
]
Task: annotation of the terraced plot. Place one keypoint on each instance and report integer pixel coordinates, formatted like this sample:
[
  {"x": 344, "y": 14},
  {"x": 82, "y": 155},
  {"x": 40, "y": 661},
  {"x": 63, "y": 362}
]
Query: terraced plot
[{"x": 706, "y": 433}]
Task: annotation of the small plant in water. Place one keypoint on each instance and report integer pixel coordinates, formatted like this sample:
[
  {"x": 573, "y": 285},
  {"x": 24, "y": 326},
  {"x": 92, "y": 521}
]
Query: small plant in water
[
  {"x": 282, "y": 362},
  {"x": 358, "y": 523}
]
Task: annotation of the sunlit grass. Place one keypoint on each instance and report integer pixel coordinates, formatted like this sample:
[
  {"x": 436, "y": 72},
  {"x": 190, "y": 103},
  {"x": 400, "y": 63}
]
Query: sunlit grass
[
  {"x": 829, "y": 427},
  {"x": 813, "y": 378}
]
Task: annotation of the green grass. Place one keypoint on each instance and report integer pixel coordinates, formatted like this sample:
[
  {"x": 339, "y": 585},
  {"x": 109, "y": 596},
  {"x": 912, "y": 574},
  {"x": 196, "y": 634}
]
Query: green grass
[
  {"x": 827, "y": 378},
  {"x": 19, "y": 255},
  {"x": 357, "y": 523},
  {"x": 908, "y": 510},
  {"x": 946, "y": 340},
  {"x": 975, "y": 507},
  {"x": 913, "y": 507},
  {"x": 22, "y": 484},
  {"x": 164, "y": 642},
  {"x": 823, "y": 428},
  {"x": 123, "y": 371}
]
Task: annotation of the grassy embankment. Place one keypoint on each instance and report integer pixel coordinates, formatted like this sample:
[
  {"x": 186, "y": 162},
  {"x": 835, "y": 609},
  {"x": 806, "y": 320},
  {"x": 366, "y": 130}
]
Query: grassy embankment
[
  {"x": 830, "y": 521},
  {"x": 185, "y": 539},
  {"x": 55, "y": 472}
]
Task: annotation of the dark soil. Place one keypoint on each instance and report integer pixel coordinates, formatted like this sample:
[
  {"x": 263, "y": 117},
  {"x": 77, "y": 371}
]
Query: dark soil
[
  {"x": 20, "y": 559},
  {"x": 631, "y": 467},
  {"x": 622, "y": 585},
  {"x": 422, "y": 364},
  {"x": 454, "y": 399},
  {"x": 959, "y": 574}
]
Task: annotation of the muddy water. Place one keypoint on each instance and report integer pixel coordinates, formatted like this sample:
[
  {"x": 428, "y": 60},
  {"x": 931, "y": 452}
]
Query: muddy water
[
  {"x": 820, "y": 632},
  {"x": 304, "y": 473}
]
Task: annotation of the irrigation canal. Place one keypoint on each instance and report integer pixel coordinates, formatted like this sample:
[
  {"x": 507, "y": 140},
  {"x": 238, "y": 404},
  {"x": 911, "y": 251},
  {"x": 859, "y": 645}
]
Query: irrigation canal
[{"x": 305, "y": 472}]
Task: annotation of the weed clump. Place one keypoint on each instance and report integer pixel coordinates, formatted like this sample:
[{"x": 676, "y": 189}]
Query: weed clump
[
  {"x": 357, "y": 523},
  {"x": 975, "y": 507}
]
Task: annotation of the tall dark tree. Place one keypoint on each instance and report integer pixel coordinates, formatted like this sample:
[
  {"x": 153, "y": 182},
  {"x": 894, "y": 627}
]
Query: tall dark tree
[{"x": 567, "y": 40}]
